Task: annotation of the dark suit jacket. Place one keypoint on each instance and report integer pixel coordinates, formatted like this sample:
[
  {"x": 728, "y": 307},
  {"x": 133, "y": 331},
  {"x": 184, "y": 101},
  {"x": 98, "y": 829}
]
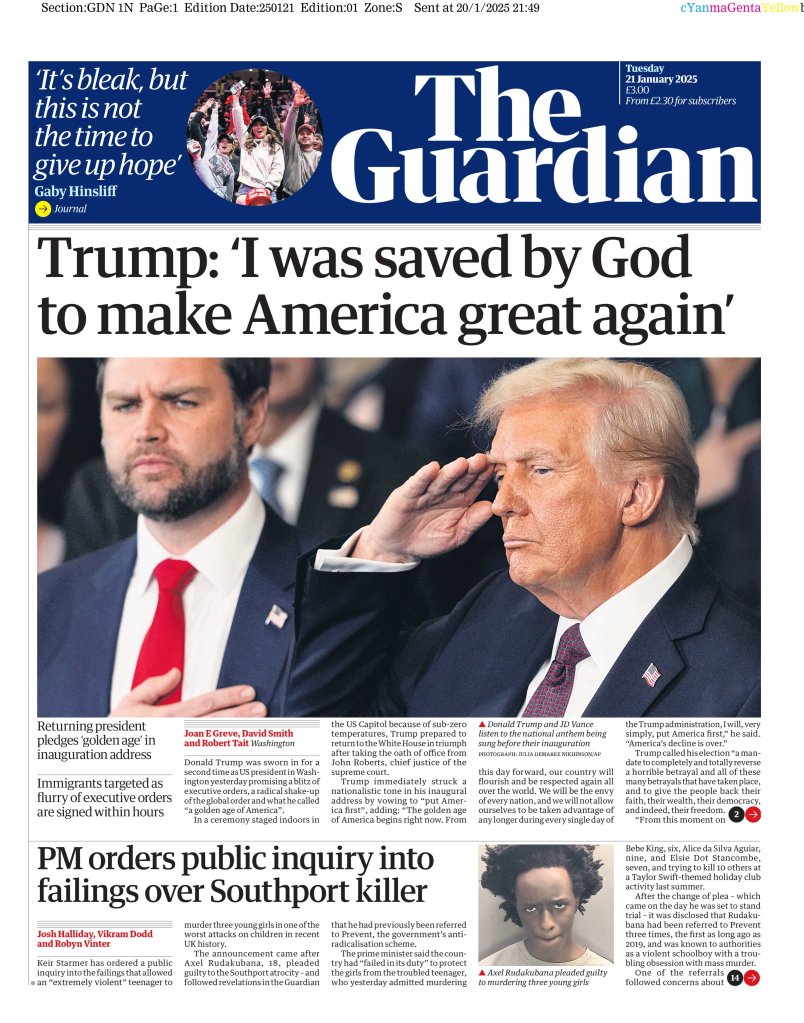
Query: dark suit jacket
[
  {"x": 351, "y": 473},
  {"x": 479, "y": 660},
  {"x": 81, "y": 603},
  {"x": 339, "y": 450}
]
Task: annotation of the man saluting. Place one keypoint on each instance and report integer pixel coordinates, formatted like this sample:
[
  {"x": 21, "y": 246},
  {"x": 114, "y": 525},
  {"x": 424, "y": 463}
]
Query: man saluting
[{"x": 605, "y": 609}]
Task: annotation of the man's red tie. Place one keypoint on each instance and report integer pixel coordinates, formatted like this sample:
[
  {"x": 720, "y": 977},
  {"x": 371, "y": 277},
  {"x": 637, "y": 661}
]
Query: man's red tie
[
  {"x": 553, "y": 692},
  {"x": 163, "y": 646}
]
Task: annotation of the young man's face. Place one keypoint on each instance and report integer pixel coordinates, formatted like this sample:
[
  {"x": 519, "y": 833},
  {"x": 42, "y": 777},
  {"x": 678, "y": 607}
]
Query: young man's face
[
  {"x": 174, "y": 438},
  {"x": 306, "y": 138},
  {"x": 547, "y": 906}
]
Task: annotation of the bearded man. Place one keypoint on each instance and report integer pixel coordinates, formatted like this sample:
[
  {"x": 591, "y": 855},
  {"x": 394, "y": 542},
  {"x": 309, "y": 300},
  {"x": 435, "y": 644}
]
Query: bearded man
[{"x": 192, "y": 616}]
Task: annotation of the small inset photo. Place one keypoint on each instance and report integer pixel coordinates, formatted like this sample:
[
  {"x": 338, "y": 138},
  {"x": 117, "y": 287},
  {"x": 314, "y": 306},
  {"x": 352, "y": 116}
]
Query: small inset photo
[
  {"x": 546, "y": 905},
  {"x": 254, "y": 137}
]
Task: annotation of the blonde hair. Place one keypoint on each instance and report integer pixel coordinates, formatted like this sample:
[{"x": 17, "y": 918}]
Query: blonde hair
[{"x": 643, "y": 423}]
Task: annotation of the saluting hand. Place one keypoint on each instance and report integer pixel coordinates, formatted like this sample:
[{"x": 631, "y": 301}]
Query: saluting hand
[{"x": 434, "y": 512}]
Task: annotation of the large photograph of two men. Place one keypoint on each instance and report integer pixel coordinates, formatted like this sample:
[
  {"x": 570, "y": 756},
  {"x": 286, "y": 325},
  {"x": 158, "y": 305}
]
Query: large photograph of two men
[{"x": 452, "y": 537}]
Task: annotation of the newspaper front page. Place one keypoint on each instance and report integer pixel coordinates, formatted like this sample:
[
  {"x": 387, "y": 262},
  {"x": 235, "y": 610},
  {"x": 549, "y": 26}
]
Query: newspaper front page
[{"x": 388, "y": 810}]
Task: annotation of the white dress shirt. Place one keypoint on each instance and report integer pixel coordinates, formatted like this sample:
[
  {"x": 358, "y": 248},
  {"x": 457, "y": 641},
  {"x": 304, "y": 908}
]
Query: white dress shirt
[
  {"x": 293, "y": 451},
  {"x": 342, "y": 561},
  {"x": 608, "y": 629},
  {"x": 221, "y": 560}
]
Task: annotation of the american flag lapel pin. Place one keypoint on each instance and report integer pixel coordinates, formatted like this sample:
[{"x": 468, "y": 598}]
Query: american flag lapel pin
[
  {"x": 651, "y": 675},
  {"x": 276, "y": 617}
]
